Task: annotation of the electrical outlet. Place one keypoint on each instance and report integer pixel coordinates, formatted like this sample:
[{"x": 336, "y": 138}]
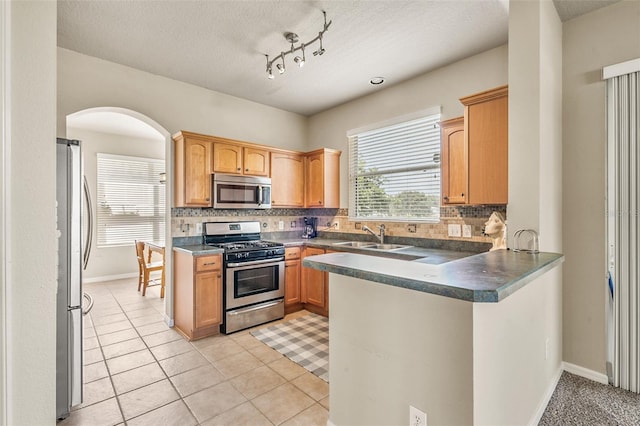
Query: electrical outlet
[
  {"x": 293, "y": 224},
  {"x": 411, "y": 228},
  {"x": 336, "y": 225},
  {"x": 281, "y": 225},
  {"x": 358, "y": 225},
  {"x": 417, "y": 417},
  {"x": 454, "y": 230},
  {"x": 199, "y": 228},
  {"x": 466, "y": 231}
]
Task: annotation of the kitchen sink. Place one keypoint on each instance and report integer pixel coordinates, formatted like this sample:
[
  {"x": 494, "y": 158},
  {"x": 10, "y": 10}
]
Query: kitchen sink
[
  {"x": 370, "y": 245},
  {"x": 358, "y": 244},
  {"x": 388, "y": 246}
]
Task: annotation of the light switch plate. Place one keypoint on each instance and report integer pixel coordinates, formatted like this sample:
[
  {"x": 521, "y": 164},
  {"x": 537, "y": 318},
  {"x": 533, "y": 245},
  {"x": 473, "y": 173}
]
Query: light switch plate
[
  {"x": 199, "y": 228},
  {"x": 454, "y": 230},
  {"x": 281, "y": 225},
  {"x": 466, "y": 231}
]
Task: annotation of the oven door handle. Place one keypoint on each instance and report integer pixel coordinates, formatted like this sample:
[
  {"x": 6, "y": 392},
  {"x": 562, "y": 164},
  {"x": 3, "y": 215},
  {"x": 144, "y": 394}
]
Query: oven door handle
[
  {"x": 255, "y": 307},
  {"x": 255, "y": 262}
]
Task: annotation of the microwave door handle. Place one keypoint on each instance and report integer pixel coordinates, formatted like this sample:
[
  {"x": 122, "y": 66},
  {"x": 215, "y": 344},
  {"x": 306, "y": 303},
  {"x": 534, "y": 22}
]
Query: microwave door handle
[{"x": 259, "y": 195}]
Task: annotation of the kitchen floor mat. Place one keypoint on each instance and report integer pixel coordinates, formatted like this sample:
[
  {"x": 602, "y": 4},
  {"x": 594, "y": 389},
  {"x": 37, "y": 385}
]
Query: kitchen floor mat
[{"x": 304, "y": 340}]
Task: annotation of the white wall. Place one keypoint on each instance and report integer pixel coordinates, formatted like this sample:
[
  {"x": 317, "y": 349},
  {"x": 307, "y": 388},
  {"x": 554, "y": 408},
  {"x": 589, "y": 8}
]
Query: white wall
[
  {"x": 32, "y": 244},
  {"x": 442, "y": 87},
  {"x": 88, "y": 82},
  {"x": 111, "y": 261},
  {"x": 392, "y": 347},
  {"x": 607, "y": 36}
]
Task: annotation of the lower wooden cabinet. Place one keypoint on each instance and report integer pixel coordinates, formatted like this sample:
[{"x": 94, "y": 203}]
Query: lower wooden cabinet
[
  {"x": 292, "y": 300},
  {"x": 314, "y": 289},
  {"x": 197, "y": 294}
]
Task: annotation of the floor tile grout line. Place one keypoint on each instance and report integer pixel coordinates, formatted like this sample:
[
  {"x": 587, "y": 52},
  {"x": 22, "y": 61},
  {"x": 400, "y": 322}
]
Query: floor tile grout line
[{"x": 180, "y": 398}]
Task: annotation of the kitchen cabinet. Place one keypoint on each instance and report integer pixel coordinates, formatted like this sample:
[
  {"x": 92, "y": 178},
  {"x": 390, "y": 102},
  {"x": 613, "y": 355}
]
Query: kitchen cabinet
[
  {"x": 287, "y": 180},
  {"x": 453, "y": 161},
  {"x": 238, "y": 159},
  {"x": 314, "y": 288},
  {"x": 292, "y": 271},
  {"x": 193, "y": 165},
  {"x": 322, "y": 178},
  {"x": 197, "y": 294},
  {"x": 486, "y": 132}
]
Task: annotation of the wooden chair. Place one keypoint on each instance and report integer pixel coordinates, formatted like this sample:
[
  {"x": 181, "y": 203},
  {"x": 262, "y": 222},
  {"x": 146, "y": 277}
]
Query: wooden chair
[{"x": 145, "y": 268}]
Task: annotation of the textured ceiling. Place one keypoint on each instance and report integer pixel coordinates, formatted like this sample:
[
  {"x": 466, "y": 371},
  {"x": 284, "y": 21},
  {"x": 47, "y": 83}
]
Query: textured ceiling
[{"x": 220, "y": 45}]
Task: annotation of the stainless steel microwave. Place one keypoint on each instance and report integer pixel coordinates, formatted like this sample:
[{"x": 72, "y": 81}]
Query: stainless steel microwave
[{"x": 241, "y": 192}]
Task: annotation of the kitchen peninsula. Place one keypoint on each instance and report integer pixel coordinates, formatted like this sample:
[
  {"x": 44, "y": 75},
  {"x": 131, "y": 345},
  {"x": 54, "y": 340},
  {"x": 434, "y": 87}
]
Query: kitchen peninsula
[{"x": 448, "y": 339}]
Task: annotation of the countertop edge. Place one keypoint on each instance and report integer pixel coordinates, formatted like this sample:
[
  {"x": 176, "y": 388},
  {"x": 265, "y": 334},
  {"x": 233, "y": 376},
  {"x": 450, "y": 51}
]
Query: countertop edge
[{"x": 437, "y": 285}]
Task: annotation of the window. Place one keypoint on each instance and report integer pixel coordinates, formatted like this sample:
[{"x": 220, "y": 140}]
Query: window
[
  {"x": 131, "y": 200},
  {"x": 394, "y": 171}
]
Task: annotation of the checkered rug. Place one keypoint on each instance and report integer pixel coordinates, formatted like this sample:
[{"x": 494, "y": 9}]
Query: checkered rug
[{"x": 304, "y": 340}]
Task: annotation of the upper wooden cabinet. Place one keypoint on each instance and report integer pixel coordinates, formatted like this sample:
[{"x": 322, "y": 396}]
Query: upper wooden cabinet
[
  {"x": 454, "y": 162},
  {"x": 475, "y": 151},
  {"x": 322, "y": 178},
  {"x": 237, "y": 159},
  {"x": 193, "y": 159},
  {"x": 287, "y": 180},
  {"x": 297, "y": 179},
  {"x": 256, "y": 161},
  {"x": 486, "y": 130},
  {"x": 227, "y": 158}
]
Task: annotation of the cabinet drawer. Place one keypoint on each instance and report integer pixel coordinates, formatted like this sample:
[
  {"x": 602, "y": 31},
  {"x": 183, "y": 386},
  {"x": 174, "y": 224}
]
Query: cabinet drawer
[
  {"x": 292, "y": 253},
  {"x": 208, "y": 263}
]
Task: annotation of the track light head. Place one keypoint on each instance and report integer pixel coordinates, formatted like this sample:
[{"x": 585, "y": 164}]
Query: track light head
[{"x": 298, "y": 60}]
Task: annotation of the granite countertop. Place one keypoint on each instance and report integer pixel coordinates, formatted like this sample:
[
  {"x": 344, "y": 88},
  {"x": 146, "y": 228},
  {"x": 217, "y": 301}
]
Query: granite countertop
[{"x": 484, "y": 277}]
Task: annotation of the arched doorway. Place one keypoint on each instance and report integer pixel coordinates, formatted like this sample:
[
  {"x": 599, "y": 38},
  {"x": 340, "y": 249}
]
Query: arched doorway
[{"x": 127, "y": 133}]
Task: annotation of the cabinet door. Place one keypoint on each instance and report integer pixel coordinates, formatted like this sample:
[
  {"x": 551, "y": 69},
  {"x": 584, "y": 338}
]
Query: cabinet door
[
  {"x": 291, "y": 282},
  {"x": 314, "y": 181},
  {"x": 208, "y": 306},
  {"x": 227, "y": 158},
  {"x": 454, "y": 162},
  {"x": 197, "y": 179},
  {"x": 313, "y": 282},
  {"x": 256, "y": 161},
  {"x": 287, "y": 180},
  {"x": 488, "y": 141}
]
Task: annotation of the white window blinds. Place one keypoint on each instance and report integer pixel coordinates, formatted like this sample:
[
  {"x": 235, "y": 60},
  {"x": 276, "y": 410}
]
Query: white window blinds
[
  {"x": 394, "y": 172},
  {"x": 131, "y": 200}
]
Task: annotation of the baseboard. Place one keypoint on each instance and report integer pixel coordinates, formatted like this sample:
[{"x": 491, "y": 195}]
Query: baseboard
[
  {"x": 109, "y": 278},
  {"x": 168, "y": 320},
  {"x": 585, "y": 372},
  {"x": 547, "y": 397}
]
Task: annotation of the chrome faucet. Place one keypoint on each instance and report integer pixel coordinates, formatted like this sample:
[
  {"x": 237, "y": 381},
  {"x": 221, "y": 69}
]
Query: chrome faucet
[{"x": 379, "y": 237}]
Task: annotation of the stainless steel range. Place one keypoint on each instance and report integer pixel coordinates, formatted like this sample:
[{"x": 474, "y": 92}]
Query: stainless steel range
[{"x": 253, "y": 284}]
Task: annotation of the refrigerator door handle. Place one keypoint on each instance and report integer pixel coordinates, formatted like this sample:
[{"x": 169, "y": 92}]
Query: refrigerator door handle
[
  {"x": 89, "y": 237},
  {"x": 90, "y": 300}
]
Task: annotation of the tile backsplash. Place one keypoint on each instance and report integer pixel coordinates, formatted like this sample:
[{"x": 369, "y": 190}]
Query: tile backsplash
[{"x": 184, "y": 221}]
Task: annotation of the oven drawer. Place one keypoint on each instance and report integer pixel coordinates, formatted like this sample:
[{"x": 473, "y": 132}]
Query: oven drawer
[
  {"x": 250, "y": 316},
  {"x": 291, "y": 253},
  {"x": 208, "y": 263}
]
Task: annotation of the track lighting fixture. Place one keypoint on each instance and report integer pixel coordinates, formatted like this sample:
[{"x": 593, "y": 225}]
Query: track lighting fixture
[{"x": 292, "y": 38}]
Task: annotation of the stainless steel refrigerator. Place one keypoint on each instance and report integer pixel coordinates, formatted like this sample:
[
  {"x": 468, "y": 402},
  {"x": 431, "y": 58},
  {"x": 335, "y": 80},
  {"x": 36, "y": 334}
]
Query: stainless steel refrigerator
[{"x": 69, "y": 196}]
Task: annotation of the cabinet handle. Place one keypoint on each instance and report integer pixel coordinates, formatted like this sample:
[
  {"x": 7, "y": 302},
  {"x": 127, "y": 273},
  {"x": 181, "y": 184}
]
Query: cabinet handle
[
  {"x": 246, "y": 170},
  {"x": 209, "y": 264},
  {"x": 319, "y": 202},
  {"x": 206, "y": 199},
  {"x": 219, "y": 276},
  {"x": 445, "y": 198},
  {"x": 462, "y": 195},
  {"x": 238, "y": 169}
]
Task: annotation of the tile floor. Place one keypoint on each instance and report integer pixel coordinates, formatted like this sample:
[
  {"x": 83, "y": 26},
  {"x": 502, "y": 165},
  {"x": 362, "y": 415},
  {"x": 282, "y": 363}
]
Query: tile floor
[{"x": 138, "y": 371}]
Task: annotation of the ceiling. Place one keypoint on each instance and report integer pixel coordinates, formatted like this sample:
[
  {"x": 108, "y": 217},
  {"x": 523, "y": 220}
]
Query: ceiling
[{"x": 221, "y": 45}]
